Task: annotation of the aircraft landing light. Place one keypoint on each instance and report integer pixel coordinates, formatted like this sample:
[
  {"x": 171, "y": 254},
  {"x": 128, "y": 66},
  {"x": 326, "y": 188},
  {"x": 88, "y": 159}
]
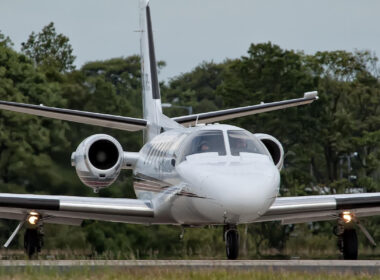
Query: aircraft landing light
[
  {"x": 33, "y": 218},
  {"x": 347, "y": 216}
]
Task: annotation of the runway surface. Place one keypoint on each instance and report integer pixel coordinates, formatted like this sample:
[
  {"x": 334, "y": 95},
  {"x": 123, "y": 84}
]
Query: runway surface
[{"x": 341, "y": 266}]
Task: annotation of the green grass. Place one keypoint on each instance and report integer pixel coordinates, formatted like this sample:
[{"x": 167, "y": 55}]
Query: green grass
[{"x": 148, "y": 274}]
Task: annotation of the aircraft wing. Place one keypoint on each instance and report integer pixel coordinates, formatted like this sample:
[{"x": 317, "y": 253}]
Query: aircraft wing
[
  {"x": 227, "y": 114},
  {"x": 292, "y": 210},
  {"x": 72, "y": 210},
  {"x": 105, "y": 120}
]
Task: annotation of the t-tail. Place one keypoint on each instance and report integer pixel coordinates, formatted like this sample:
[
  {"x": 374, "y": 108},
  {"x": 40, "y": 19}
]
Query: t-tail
[{"x": 150, "y": 86}]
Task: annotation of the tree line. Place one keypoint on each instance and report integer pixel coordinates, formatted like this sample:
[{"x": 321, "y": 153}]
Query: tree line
[{"x": 332, "y": 146}]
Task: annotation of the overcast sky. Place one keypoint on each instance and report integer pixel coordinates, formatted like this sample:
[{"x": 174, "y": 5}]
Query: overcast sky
[{"x": 187, "y": 32}]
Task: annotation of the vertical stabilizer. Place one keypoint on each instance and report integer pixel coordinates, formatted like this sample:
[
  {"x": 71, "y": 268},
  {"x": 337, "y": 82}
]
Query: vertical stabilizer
[{"x": 150, "y": 86}]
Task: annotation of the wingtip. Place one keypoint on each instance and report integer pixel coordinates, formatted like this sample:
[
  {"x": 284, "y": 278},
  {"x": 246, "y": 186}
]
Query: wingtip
[{"x": 311, "y": 95}]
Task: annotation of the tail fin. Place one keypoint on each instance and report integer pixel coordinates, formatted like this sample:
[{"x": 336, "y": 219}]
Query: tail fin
[{"x": 150, "y": 86}]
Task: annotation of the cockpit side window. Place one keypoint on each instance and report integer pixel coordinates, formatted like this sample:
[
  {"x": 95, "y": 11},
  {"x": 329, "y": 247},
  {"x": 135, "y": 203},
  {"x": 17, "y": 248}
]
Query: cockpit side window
[
  {"x": 206, "y": 141},
  {"x": 243, "y": 141}
]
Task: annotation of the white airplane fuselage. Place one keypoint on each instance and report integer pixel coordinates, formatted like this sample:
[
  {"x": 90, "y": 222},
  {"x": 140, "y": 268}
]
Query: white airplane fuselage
[{"x": 216, "y": 186}]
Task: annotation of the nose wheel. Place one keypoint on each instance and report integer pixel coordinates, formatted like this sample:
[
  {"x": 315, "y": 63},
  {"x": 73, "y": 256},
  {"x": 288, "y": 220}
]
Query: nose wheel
[{"x": 231, "y": 238}]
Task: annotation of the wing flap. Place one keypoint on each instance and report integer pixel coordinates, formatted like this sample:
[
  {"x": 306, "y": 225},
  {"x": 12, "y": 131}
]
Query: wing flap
[
  {"x": 98, "y": 119},
  {"x": 222, "y": 115}
]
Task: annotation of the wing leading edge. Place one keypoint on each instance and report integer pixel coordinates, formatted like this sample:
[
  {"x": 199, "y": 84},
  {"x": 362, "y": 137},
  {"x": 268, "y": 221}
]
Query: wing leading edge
[
  {"x": 98, "y": 119},
  {"x": 222, "y": 115},
  {"x": 72, "y": 210},
  {"x": 292, "y": 210}
]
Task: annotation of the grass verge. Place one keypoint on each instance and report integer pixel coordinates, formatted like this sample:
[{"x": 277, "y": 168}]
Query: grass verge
[{"x": 90, "y": 273}]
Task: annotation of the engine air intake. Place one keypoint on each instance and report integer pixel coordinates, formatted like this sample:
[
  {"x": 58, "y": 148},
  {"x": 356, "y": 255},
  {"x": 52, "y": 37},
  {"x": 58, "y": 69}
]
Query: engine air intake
[
  {"x": 274, "y": 148},
  {"x": 98, "y": 161},
  {"x": 103, "y": 154}
]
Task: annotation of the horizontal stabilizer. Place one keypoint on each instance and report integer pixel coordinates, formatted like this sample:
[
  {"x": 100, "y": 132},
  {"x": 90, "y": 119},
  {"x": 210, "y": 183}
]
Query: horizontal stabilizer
[
  {"x": 222, "y": 115},
  {"x": 105, "y": 120}
]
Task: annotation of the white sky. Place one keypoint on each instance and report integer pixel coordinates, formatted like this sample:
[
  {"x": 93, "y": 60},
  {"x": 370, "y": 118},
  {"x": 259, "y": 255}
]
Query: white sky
[{"x": 188, "y": 32}]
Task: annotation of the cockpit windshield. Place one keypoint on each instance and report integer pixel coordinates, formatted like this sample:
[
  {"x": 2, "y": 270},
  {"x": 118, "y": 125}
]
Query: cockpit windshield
[
  {"x": 205, "y": 141},
  {"x": 243, "y": 141}
]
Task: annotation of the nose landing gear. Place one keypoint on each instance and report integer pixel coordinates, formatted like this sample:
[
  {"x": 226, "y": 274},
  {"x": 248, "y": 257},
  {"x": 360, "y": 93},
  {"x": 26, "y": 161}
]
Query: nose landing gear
[{"x": 231, "y": 238}]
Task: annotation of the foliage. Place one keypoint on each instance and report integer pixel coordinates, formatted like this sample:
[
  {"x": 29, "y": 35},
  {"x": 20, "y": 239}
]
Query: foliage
[
  {"x": 49, "y": 49},
  {"x": 32, "y": 141},
  {"x": 5, "y": 41}
]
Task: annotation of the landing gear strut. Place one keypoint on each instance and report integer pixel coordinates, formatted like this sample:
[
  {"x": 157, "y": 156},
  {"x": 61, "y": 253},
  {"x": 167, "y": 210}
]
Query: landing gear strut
[
  {"x": 33, "y": 237},
  {"x": 231, "y": 237},
  {"x": 33, "y": 241}
]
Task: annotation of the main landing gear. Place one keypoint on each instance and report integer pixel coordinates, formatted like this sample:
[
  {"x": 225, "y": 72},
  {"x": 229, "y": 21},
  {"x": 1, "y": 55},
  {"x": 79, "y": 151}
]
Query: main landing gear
[
  {"x": 231, "y": 237},
  {"x": 348, "y": 244},
  {"x": 33, "y": 237},
  {"x": 347, "y": 237},
  {"x": 33, "y": 241}
]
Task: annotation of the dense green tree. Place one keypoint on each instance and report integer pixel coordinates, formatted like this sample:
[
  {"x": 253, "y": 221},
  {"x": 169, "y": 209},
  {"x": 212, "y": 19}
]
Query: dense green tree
[
  {"x": 49, "y": 49},
  {"x": 196, "y": 89},
  {"x": 31, "y": 140}
]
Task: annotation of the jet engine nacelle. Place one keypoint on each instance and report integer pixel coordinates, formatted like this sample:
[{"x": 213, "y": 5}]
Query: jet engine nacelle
[
  {"x": 274, "y": 147},
  {"x": 98, "y": 161}
]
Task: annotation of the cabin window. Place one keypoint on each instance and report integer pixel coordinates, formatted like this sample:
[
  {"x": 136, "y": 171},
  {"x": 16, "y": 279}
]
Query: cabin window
[
  {"x": 243, "y": 141},
  {"x": 206, "y": 141}
]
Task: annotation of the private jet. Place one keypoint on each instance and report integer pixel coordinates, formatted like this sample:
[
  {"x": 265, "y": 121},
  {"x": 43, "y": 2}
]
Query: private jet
[{"x": 191, "y": 171}]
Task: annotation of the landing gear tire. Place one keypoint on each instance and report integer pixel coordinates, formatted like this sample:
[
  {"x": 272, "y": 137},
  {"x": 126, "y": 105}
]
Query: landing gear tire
[
  {"x": 231, "y": 237},
  {"x": 33, "y": 241},
  {"x": 349, "y": 241}
]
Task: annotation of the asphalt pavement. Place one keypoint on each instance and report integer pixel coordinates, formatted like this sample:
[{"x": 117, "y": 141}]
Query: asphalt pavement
[{"x": 330, "y": 266}]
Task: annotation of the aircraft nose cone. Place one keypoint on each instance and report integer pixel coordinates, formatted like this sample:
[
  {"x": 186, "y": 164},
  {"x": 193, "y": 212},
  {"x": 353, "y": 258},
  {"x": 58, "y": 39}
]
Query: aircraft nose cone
[{"x": 243, "y": 193}]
